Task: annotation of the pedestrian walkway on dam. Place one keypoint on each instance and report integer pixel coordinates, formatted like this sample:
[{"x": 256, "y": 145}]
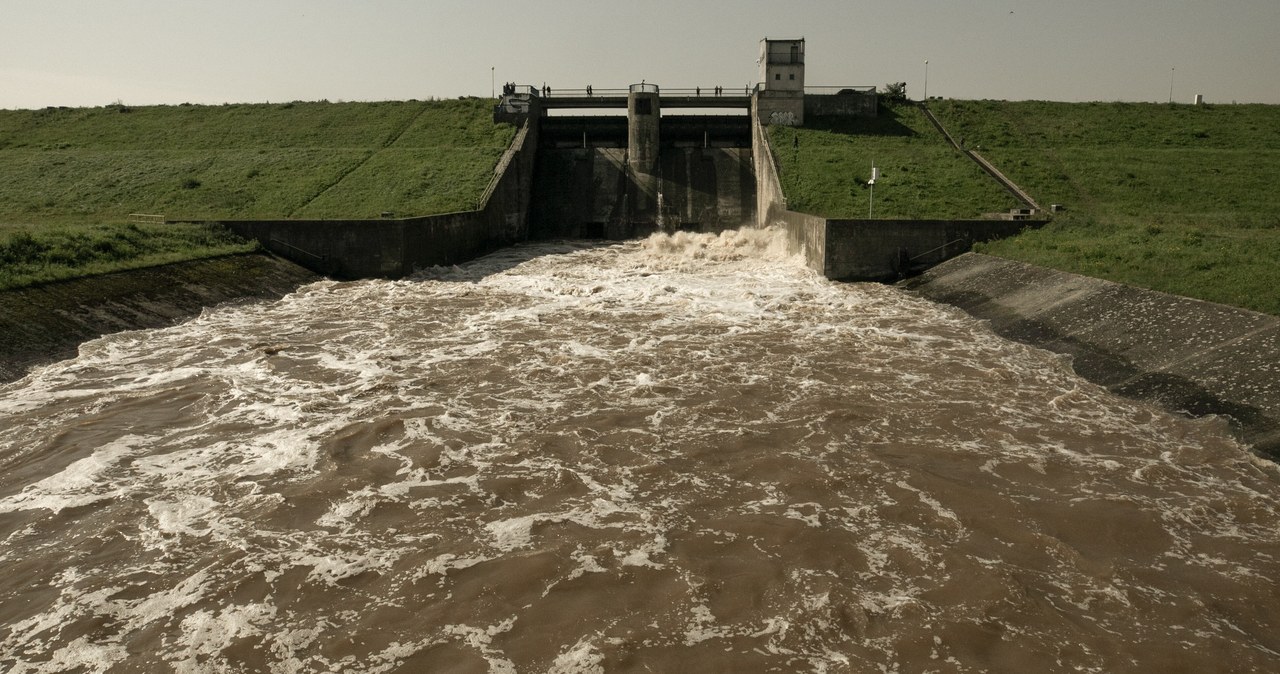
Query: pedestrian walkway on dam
[{"x": 550, "y": 98}]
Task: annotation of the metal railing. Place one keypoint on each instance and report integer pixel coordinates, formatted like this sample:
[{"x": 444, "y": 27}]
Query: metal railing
[
  {"x": 709, "y": 92},
  {"x": 943, "y": 247},
  {"x": 589, "y": 92},
  {"x": 705, "y": 92},
  {"x": 503, "y": 162},
  {"x": 519, "y": 90},
  {"x": 292, "y": 247}
]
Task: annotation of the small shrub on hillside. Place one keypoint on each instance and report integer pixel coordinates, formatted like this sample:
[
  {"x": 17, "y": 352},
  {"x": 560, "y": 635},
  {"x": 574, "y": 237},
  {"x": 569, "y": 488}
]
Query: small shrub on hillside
[{"x": 894, "y": 92}]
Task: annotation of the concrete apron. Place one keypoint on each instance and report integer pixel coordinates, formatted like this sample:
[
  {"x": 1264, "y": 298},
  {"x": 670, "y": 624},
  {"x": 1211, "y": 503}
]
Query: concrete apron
[
  {"x": 1188, "y": 356},
  {"x": 49, "y": 322}
]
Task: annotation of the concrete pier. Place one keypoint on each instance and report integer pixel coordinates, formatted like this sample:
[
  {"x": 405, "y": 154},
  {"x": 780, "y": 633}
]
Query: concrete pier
[{"x": 644, "y": 113}]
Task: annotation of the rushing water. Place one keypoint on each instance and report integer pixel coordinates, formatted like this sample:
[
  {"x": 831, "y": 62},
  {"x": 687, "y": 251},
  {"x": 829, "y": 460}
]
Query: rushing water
[{"x": 687, "y": 454}]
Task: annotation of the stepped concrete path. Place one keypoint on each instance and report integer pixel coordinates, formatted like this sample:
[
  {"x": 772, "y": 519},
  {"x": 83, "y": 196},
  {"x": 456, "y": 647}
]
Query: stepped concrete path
[{"x": 981, "y": 161}]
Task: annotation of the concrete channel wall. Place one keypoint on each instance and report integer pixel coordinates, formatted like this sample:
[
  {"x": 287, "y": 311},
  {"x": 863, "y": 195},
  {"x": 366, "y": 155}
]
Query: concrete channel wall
[
  {"x": 1185, "y": 355},
  {"x": 48, "y": 322},
  {"x": 394, "y": 247}
]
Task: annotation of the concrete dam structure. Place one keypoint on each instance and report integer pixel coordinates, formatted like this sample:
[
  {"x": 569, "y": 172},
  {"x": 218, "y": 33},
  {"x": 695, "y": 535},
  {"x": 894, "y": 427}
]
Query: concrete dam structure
[
  {"x": 629, "y": 162},
  {"x": 615, "y": 177}
]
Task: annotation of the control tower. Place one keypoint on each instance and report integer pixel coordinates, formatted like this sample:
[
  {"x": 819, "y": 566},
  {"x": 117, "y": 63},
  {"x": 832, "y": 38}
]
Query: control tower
[{"x": 780, "y": 99}]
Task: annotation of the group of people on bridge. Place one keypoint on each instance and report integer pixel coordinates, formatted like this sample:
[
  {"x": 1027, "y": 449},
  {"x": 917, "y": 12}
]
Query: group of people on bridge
[
  {"x": 698, "y": 91},
  {"x": 509, "y": 88}
]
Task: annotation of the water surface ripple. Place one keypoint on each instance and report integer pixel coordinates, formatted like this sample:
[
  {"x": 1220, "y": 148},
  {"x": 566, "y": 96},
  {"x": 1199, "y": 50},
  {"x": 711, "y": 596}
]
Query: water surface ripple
[{"x": 680, "y": 454}]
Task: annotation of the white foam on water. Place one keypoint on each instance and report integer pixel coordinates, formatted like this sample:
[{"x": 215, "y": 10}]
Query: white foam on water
[
  {"x": 206, "y": 634},
  {"x": 575, "y": 418},
  {"x": 83, "y": 482},
  {"x": 581, "y": 658}
]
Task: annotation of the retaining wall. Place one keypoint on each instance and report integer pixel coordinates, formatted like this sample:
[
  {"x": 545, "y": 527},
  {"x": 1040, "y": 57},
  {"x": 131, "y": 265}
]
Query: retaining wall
[
  {"x": 853, "y": 104},
  {"x": 1186, "y": 355},
  {"x": 394, "y": 247},
  {"x": 48, "y": 322},
  {"x": 883, "y": 250}
]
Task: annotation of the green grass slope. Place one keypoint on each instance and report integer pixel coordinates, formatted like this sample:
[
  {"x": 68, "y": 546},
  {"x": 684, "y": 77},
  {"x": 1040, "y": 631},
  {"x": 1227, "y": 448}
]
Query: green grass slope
[
  {"x": 1176, "y": 198},
  {"x": 69, "y": 177},
  {"x": 332, "y": 160},
  {"x": 824, "y": 167},
  {"x": 31, "y": 254}
]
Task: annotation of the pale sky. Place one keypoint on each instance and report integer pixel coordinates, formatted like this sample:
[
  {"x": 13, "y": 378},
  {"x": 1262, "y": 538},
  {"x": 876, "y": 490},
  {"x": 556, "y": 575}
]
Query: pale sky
[{"x": 140, "y": 52}]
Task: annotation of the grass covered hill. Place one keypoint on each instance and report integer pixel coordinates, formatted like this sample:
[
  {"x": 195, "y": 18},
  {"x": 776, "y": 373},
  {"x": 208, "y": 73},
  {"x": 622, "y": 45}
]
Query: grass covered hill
[
  {"x": 69, "y": 177},
  {"x": 299, "y": 160},
  {"x": 1177, "y": 198},
  {"x": 824, "y": 167}
]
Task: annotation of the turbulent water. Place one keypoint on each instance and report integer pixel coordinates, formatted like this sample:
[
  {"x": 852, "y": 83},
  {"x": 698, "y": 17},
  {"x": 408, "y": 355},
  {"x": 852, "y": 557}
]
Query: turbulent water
[{"x": 686, "y": 454}]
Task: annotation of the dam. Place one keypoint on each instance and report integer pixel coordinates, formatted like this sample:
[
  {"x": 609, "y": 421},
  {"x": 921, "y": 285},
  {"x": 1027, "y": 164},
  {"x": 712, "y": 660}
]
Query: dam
[
  {"x": 633, "y": 438},
  {"x": 620, "y": 177},
  {"x": 657, "y": 168}
]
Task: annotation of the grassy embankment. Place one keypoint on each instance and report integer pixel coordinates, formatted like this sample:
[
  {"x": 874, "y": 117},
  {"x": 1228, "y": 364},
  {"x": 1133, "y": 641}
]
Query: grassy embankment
[
  {"x": 825, "y": 165},
  {"x": 1176, "y": 198},
  {"x": 69, "y": 177}
]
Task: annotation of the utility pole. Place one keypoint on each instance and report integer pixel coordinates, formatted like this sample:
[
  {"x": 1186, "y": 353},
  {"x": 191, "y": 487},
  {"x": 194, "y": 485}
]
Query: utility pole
[{"x": 1171, "y": 84}]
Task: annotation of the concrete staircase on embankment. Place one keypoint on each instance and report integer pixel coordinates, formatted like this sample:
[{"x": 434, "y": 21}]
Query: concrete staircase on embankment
[{"x": 1012, "y": 187}]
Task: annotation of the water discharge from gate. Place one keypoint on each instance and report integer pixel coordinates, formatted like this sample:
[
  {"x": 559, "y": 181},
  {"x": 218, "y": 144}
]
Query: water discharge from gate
[{"x": 687, "y": 453}]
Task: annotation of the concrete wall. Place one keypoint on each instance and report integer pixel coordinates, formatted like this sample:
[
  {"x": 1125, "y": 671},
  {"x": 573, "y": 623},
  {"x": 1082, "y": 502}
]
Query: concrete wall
[
  {"x": 885, "y": 250},
  {"x": 707, "y": 189},
  {"x": 591, "y": 192},
  {"x": 779, "y": 107},
  {"x": 1183, "y": 354},
  {"x": 579, "y": 192},
  {"x": 853, "y": 104},
  {"x": 394, "y": 247},
  {"x": 48, "y": 322},
  {"x": 805, "y": 233}
]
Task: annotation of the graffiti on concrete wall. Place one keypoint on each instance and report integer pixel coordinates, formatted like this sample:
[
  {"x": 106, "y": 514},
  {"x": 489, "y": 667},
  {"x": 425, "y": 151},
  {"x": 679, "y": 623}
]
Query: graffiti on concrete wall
[{"x": 783, "y": 117}]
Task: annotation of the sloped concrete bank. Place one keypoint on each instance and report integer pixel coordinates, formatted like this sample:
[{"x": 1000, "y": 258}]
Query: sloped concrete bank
[
  {"x": 49, "y": 322},
  {"x": 1186, "y": 355}
]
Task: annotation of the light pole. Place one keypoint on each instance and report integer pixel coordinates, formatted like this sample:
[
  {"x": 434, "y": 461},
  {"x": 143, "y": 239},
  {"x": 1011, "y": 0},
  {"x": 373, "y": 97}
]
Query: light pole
[
  {"x": 493, "y": 83},
  {"x": 926, "y": 80},
  {"x": 871, "y": 198},
  {"x": 1171, "y": 84}
]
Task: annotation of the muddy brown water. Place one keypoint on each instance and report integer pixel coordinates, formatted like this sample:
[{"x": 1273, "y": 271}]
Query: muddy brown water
[{"x": 684, "y": 454}]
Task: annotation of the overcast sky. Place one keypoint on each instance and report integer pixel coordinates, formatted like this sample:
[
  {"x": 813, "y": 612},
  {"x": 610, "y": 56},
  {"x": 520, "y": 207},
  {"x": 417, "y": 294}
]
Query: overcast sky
[{"x": 95, "y": 52}]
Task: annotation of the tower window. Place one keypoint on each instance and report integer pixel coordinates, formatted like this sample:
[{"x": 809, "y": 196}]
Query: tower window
[
  {"x": 777, "y": 76},
  {"x": 792, "y": 76}
]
